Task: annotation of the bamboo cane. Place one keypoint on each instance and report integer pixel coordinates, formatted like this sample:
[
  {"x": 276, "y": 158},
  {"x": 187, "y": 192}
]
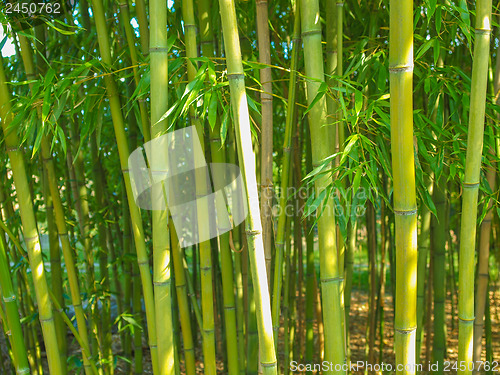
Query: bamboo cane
[
  {"x": 12, "y": 315},
  {"x": 484, "y": 245},
  {"x": 182, "y": 298},
  {"x": 60, "y": 220},
  {"x": 161, "y": 240},
  {"x": 471, "y": 185},
  {"x": 266, "y": 97},
  {"x": 330, "y": 273},
  {"x": 246, "y": 157},
  {"x": 30, "y": 230},
  {"x": 123, "y": 151},
  {"x": 405, "y": 209},
  {"x": 285, "y": 179}
]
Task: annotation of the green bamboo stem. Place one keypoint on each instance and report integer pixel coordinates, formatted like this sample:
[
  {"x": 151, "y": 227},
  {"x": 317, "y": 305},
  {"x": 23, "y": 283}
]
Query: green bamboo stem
[
  {"x": 423, "y": 252},
  {"x": 207, "y": 49},
  {"x": 55, "y": 267},
  {"x": 161, "y": 237},
  {"x": 105, "y": 315},
  {"x": 182, "y": 299},
  {"x": 484, "y": 244},
  {"x": 286, "y": 297},
  {"x": 232, "y": 345},
  {"x": 321, "y": 134},
  {"x": 67, "y": 321},
  {"x": 471, "y": 184},
  {"x": 246, "y": 158},
  {"x": 142, "y": 19},
  {"x": 438, "y": 280},
  {"x": 129, "y": 34},
  {"x": 30, "y": 230},
  {"x": 266, "y": 137},
  {"x": 192, "y": 296},
  {"x": 12, "y": 316},
  {"x": 60, "y": 220},
  {"x": 285, "y": 177},
  {"x": 405, "y": 205},
  {"x": 483, "y": 271},
  {"x": 123, "y": 151}
]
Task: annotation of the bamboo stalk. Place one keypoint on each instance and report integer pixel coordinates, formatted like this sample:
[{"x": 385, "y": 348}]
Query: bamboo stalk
[
  {"x": 123, "y": 151},
  {"x": 266, "y": 98},
  {"x": 403, "y": 166},
  {"x": 246, "y": 158},
  {"x": 12, "y": 316},
  {"x": 330, "y": 273},
  {"x": 285, "y": 177},
  {"x": 182, "y": 299},
  {"x": 29, "y": 229},
  {"x": 471, "y": 184},
  {"x": 161, "y": 241}
]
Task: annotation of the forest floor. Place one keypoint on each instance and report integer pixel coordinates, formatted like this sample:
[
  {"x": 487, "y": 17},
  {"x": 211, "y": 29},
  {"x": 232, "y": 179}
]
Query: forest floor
[{"x": 358, "y": 341}]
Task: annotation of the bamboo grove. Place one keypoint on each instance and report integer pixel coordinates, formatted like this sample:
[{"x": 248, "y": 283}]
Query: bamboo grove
[{"x": 366, "y": 138}]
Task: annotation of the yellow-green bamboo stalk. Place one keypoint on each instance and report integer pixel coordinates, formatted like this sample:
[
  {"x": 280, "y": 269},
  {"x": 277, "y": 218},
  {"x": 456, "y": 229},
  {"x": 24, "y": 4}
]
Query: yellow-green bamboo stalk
[
  {"x": 219, "y": 156},
  {"x": 105, "y": 315},
  {"x": 182, "y": 299},
  {"x": 246, "y": 158},
  {"x": 285, "y": 177},
  {"x": 60, "y": 220},
  {"x": 266, "y": 136},
  {"x": 142, "y": 19},
  {"x": 123, "y": 151},
  {"x": 161, "y": 241},
  {"x": 29, "y": 229},
  {"x": 129, "y": 33},
  {"x": 55, "y": 267},
  {"x": 471, "y": 185},
  {"x": 207, "y": 48},
  {"x": 322, "y": 144},
  {"x": 484, "y": 244},
  {"x": 403, "y": 167},
  {"x": 12, "y": 315},
  {"x": 483, "y": 272},
  {"x": 85, "y": 350}
]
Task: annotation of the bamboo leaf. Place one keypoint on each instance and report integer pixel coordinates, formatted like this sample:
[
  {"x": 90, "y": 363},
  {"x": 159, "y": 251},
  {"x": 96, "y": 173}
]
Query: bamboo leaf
[{"x": 212, "y": 111}]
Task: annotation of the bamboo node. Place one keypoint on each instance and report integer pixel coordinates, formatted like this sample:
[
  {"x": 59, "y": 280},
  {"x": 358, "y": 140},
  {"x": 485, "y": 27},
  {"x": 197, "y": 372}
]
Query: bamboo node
[
  {"x": 483, "y": 31},
  {"x": 12, "y": 149},
  {"x": 253, "y": 232},
  {"x": 467, "y": 321},
  {"x": 24, "y": 371},
  {"x": 311, "y": 32},
  {"x": 470, "y": 185},
  {"x": 161, "y": 283},
  {"x": 235, "y": 76},
  {"x": 47, "y": 320},
  {"x": 401, "y": 68},
  {"x": 337, "y": 279},
  {"x": 268, "y": 364},
  {"x": 340, "y": 4},
  {"x": 9, "y": 299},
  {"x": 406, "y": 331},
  {"x": 405, "y": 213}
]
